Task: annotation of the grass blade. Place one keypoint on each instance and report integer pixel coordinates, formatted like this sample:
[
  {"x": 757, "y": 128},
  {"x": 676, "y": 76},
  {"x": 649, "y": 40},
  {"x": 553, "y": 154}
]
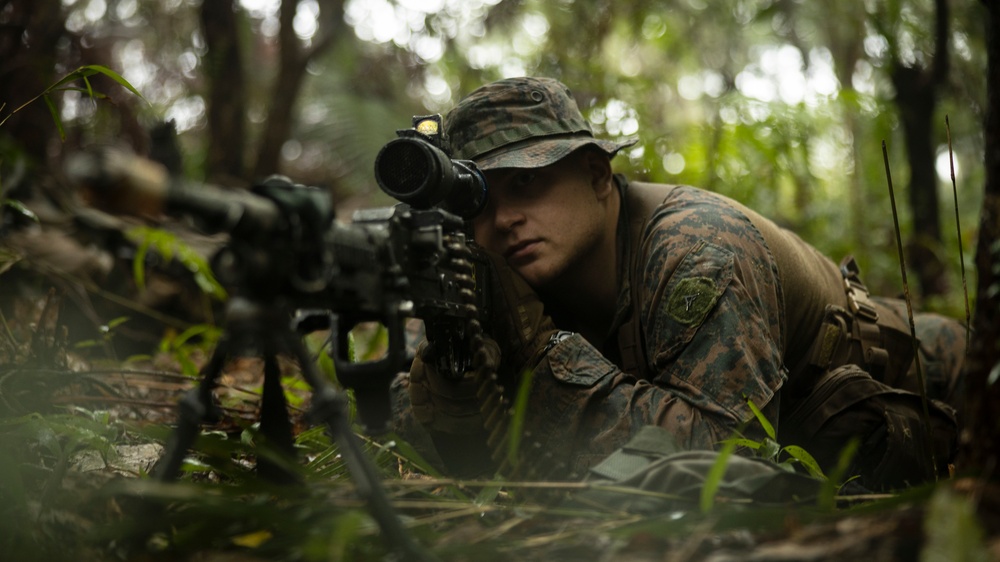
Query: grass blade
[
  {"x": 714, "y": 477},
  {"x": 517, "y": 420}
]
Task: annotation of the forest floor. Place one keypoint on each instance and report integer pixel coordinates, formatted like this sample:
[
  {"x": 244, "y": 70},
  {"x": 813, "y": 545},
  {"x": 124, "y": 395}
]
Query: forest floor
[{"x": 82, "y": 425}]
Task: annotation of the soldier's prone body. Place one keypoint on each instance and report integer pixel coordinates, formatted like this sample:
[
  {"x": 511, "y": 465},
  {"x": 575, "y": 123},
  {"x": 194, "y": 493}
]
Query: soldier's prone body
[{"x": 624, "y": 304}]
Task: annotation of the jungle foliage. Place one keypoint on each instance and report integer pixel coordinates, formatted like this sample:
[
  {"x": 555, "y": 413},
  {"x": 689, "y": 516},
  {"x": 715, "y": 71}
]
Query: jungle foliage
[{"x": 782, "y": 105}]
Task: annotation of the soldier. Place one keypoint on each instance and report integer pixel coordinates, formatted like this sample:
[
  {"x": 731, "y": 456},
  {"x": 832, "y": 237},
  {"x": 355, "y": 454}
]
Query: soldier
[{"x": 624, "y": 304}]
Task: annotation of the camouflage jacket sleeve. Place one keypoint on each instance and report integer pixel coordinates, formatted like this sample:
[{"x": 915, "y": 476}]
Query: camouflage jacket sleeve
[{"x": 711, "y": 319}]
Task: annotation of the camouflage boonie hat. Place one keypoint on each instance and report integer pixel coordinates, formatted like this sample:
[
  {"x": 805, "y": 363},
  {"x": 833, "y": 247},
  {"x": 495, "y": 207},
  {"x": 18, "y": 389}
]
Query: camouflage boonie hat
[{"x": 520, "y": 123}]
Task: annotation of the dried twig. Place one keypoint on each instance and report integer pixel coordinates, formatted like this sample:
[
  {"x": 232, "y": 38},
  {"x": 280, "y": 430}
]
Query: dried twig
[
  {"x": 925, "y": 412},
  {"x": 961, "y": 252}
]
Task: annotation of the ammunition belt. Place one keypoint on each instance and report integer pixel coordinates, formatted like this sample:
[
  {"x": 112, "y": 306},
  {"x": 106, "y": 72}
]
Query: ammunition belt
[{"x": 494, "y": 404}]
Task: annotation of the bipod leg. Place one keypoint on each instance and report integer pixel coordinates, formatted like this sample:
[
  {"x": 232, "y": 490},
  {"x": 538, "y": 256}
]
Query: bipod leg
[
  {"x": 331, "y": 408},
  {"x": 275, "y": 426},
  {"x": 196, "y": 406}
]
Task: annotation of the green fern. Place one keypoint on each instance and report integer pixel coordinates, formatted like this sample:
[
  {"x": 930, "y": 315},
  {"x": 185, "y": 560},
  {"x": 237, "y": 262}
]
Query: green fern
[
  {"x": 171, "y": 247},
  {"x": 182, "y": 347}
]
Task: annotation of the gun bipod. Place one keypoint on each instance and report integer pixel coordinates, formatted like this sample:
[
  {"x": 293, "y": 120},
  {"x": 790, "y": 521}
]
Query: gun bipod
[{"x": 267, "y": 328}]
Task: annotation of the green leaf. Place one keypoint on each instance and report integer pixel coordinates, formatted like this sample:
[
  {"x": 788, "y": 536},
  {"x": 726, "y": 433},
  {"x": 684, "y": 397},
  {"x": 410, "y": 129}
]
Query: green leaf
[
  {"x": 86, "y": 71},
  {"x": 20, "y": 208},
  {"x": 77, "y": 74},
  {"x": 807, "y": 460},
  {"x": 768, "y": 428},
  {"x": 769, "y": 449},
  {"x": 196, "y": 330},
  {"x": 90, "y": 89},
  {"x": 170, "y": 247},
  {"x": 117, "y": 78},
  {"x": 139, "y": 265},
  {"x": 115, "y": 322},
  {"x": 252, "y": 539},
  {"x": 55, "y": 116},
  {"x": 488, "y": 495},
  {"x": 743, "y": 442},
  {"x": 828, "y": 492},
  {"x": 407, "y": 452},
  {"x": 327, "y": 366},
  {"x": 92, "y": 94},
  {"x": 188, "y": 367}
]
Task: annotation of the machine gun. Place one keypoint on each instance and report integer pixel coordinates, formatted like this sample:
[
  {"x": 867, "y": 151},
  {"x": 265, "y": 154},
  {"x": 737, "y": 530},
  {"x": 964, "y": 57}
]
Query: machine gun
[{"x": 291, "y": 268}]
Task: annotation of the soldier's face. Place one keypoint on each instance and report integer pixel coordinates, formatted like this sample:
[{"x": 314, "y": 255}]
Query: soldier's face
[{"x": 543, "y": 221}]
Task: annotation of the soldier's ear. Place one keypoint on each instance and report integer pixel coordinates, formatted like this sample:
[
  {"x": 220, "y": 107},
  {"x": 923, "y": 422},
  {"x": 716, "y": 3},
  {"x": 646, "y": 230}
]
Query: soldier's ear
[{"x": 598, "y": 166}]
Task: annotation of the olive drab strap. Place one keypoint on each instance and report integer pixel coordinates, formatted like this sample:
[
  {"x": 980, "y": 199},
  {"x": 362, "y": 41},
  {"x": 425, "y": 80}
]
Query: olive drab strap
[
  {"x": 641, "y": 200},
  {"x": 866, "y": 328},
  {"x": 860, "y": 334}
]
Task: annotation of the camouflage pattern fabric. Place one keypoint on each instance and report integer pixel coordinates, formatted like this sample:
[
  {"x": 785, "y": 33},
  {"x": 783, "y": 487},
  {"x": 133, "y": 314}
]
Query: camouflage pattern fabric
[
  {"x": 729, "y": 305},
  {"x": 714, "y": 314},
  {"x": 712, "y": 303},
  {"x": 715, "y": 318},
  {"x": 942, "y": 342},
  {"x": 520, "y": 123}
]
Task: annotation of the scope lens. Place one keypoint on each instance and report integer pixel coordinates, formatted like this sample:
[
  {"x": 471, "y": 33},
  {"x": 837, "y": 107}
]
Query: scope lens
[{"x": 403, "y": 168}]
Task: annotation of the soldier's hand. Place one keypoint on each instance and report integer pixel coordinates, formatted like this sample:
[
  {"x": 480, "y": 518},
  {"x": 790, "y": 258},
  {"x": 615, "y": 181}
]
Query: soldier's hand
[{"x": 446, "y": 405}]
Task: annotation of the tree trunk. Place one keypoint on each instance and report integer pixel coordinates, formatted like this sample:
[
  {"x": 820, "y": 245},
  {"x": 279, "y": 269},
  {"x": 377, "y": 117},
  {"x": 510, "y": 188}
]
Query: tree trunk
[
  {"x": 846, "y": 43},
  {"x": 29, "y": 33},
  {"x": 287, "y": 85},
  {"x": 291, "y": 75},
  {"x": 916, "y": 97},
  {"x": 981, "y": 441},
  {"x": 226, "y": 105}
]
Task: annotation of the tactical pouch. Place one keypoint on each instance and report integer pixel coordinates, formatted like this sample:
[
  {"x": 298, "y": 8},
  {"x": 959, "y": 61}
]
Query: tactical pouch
[
  {"x": 869, "y": 332},
  {"x": 896, "y": 449}
]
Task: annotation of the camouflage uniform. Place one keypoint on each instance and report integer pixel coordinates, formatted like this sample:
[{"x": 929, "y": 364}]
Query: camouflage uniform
[
  {"x": 716, "y": 305},
  {"x": 719, "y": 326}
]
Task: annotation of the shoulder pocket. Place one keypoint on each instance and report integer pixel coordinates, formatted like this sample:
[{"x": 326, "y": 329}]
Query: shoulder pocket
[
  {"x": 574, "y": 361},
  {"x": 690, "y": 295}
]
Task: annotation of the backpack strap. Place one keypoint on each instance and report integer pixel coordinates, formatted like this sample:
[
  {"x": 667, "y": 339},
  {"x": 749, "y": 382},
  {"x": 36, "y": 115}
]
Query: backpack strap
[{"x": 640, "y": 202}]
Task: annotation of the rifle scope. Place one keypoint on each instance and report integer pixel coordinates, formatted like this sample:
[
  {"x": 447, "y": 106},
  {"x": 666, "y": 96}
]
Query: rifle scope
[{"x": 418, "y": 173}]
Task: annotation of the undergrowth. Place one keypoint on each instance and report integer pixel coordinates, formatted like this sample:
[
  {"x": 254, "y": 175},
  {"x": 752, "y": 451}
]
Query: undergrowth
[
  {"x": 72, "y": 486},
  {"x": 52, "y": 507}
]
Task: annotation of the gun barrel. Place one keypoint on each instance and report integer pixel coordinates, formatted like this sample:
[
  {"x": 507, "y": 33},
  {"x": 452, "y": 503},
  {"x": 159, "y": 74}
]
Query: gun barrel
[
  {"x": 240, "y": 213},
  {"x": 121, "y": 182}
]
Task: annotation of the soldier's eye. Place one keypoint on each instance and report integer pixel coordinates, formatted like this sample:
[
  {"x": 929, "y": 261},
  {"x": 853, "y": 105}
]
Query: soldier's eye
[{"x": 522, "y": 179}]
